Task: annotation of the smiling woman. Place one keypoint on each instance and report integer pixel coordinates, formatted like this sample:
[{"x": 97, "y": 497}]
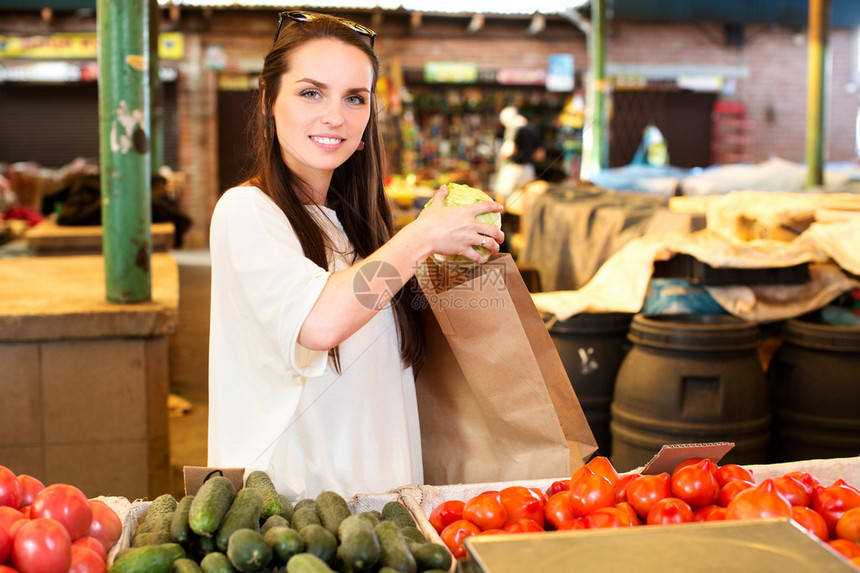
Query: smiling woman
[{"x": 309, "y": 381}]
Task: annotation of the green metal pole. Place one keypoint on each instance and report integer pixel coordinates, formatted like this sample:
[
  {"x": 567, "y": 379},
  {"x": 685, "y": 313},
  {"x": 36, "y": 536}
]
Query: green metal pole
[
  {"x": 598, "y": 141},
  {"x": 156, "y": 92},
  {"x": 123, "y": 38},
  {"x": 819, "y": 32}
]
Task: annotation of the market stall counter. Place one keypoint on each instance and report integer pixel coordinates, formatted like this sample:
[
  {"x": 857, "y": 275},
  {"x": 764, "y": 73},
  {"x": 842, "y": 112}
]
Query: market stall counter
[
  {"x": 49, "y": 238},
  {"x": 85, "y": 381}
]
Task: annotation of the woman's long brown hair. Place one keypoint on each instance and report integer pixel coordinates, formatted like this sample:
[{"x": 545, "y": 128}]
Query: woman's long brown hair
[{"x": 356, "y": 192}]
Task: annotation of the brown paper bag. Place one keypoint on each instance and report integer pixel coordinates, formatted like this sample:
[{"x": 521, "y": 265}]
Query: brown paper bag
[{"x": 495, "y": 402}]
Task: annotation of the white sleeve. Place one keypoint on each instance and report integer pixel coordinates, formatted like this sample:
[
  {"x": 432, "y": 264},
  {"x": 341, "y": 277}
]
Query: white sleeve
[{"x": 265, "y": 272}]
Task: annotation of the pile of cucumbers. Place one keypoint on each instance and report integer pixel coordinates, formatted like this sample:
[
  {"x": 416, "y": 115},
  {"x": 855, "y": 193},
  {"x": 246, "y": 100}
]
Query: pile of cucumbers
[{"x": 255, "y": 529}]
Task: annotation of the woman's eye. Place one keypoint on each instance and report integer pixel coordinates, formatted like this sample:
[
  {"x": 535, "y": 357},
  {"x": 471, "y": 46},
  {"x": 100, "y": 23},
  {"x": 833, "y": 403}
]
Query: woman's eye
[
  {"x": 356, "y": 99},
  {"x": 310, "y": 94}
]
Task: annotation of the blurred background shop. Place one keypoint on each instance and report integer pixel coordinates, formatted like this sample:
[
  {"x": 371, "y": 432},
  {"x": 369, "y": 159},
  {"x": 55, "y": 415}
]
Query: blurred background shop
[{"x": 648, "y": 110}]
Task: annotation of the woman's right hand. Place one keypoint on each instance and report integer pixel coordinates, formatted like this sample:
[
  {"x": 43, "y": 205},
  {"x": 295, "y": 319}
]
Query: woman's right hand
[{"x": 454, "y": 230}]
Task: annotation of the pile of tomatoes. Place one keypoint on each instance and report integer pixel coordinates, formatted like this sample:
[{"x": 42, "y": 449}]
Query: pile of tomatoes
[
  {"x": 53, "y": 529},
  {"x": 698, "y": 489}
]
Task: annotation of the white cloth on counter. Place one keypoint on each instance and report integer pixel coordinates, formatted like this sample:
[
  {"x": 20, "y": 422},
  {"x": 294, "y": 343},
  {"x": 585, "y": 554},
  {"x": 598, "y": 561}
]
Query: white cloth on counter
[
  {"x": 621, "y": 284},
  {"x": 281, "y": 408},
  {"x": 774, "y": 174}
]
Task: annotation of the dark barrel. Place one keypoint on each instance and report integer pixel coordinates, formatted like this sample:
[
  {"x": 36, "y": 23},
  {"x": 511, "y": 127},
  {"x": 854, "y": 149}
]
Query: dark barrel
[
  {"x": 814, "y": 380},
  {"x": 591, "y": 347},
  {"x": 690, "y": 378}
]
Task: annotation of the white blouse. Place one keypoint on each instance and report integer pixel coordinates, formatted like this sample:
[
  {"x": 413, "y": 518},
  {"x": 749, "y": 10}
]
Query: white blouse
[{"x": 279, "y": 407}]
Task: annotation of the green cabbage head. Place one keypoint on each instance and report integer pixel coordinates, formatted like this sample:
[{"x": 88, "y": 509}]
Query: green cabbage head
[{"x": 459, "y": 194}]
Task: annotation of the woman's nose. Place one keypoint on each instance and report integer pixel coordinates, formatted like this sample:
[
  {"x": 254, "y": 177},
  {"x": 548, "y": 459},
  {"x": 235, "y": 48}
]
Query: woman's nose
[{"x": 333, "y": 115}]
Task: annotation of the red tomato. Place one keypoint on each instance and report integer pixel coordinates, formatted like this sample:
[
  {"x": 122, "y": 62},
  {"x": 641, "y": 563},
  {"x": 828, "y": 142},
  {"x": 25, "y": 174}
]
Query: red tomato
[
  {"x": 631, "y": 513},
  {"x": 492, "y": 532},
  {"x": 809, "y": 481},
  {"x": 590, "y": 492},
  {"x": 522, "y": 503},
  {"x": 9, "y": 515},
  {"x": 621, "y": 487},
  {"x": 106, "y": 526},
  {"x": 848, "y": 525},
  {"x": 670, "y": 510},
  {"x": 572, "y": 524},
  {"x": 558, "y": 510},
  {"x": 541, "y": 495},
  {"x": 831, "y": 502},
  {"x": 607, "y": 518},
  {"x": 696, "y": 484},
  {"x": 7, "y": 569},
  {"x": 5, "y": 544},
  {"x": 42, "y": 545},
  {"x": 557, "y": 486},
  {"x": 65, "y": 503},
  {"x": 643, "y": 492},
  {"x": 30, "y": 486},
  {"x": 710, "y": 513},
  {"x": 692, "y": 462},
  {"x": 731, "y": 489},
  {"x": 760, "y": 501},
  {"x": 522, "y": 525},
  {"x": 10, "y": 489},
  {"x": 16, "y": 525},
  {"x": 810, "y": 520},
  {"x": 847, "y": 548},
  {"x": 455, "y": 533},
  {"x": 93, "y": 544},
  {"x": 85, "y": 560},
  {"x": 446, "y": 513},
  {"x": 485, "y": 511},
  {"x": 729, "y": 472},
  {"x": 602, "y": 467},
  {"x": 792, "y": 490}
]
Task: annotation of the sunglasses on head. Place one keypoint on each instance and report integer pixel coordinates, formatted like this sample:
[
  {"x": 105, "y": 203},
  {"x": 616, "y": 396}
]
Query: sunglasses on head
[{"x": 302, "y": 16}]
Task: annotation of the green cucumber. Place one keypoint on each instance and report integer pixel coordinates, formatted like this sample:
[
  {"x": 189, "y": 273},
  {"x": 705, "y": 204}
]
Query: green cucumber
[
  {"x": 161, "y": 529},
  {"x": 319, "y": 541},
  {"x": 248, "y": 551},
  {"x": 359, "y": 547},
  {"x": 274, "y": 521},
  {"x": 413, "y": 534},
  {"x": 397, "y": 512},
  {"x": 431, "y": 556},
  {"x": 260, "y": 481},
  {"x": 286, "y": 507},
  {"x": 303, "y": 517},
  {"x": 180, "y": 532},
  {"x": 164, "y": 503},
  {"x": 216, "y": 562},
  {"x": 140, "y": 539},
  {"x": 307, "y": 563},
  {"x": 394, "y": 551},
  {"x": 285, "y": 542},
  {"x": 210, "y": 504},
  {"x": 373, "y": 516},
  {"x": 186, "y": 565},
  {"x": 244, "y": 513},
  {"x": 306, "y": 502},
  {"x": 331, "y": 509},
  {"x": 202, "y": 546},
  {"x": 148, "y": 559}
]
